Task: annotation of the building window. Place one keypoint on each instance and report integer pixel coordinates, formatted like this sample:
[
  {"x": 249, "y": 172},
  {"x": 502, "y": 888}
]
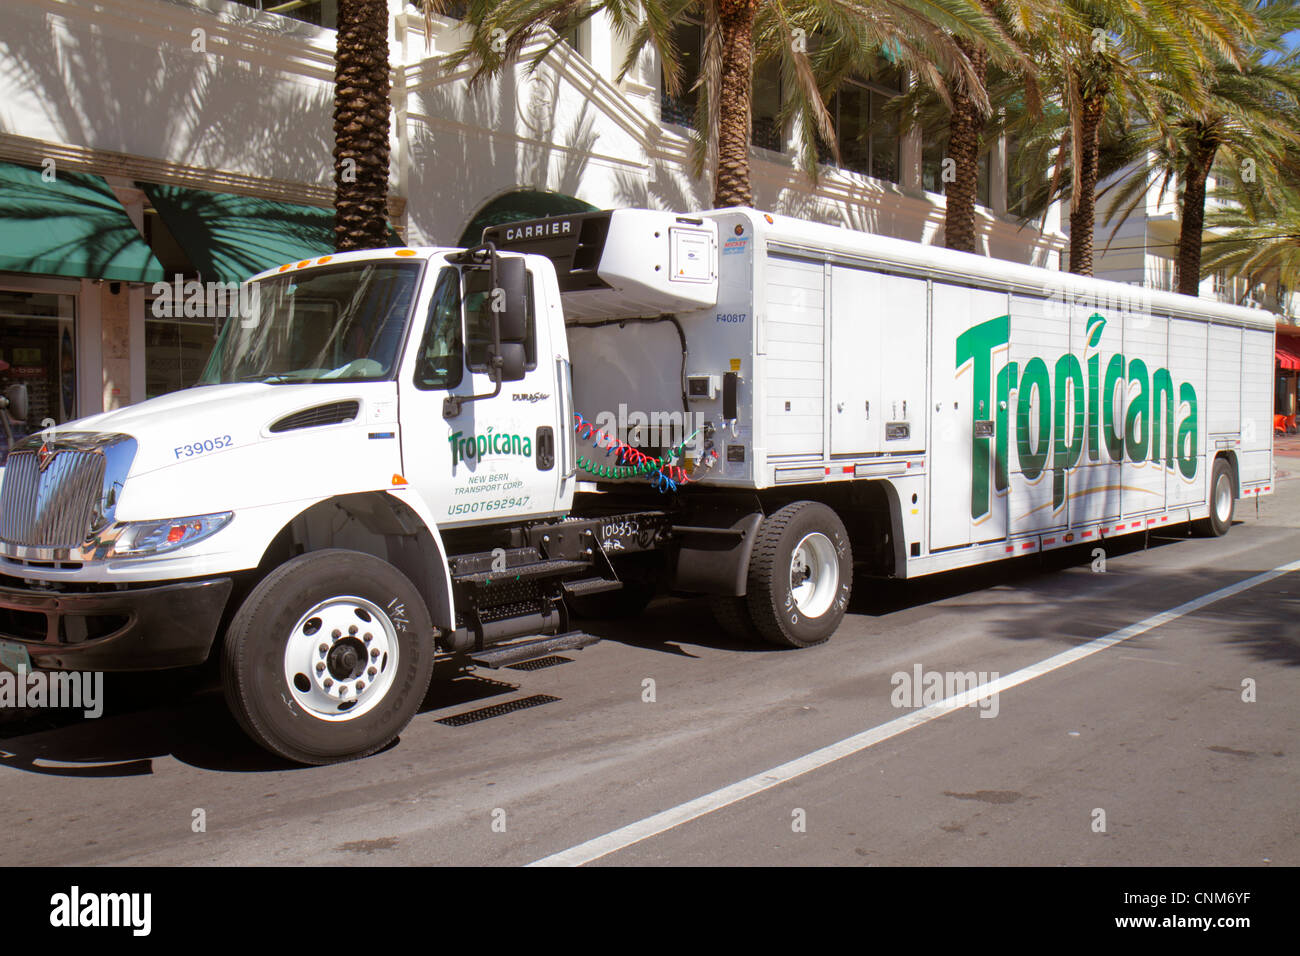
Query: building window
[
  {"x": 934, "y": 149},
  {"x": 458, "y": 11},
  {"x": 175, "y": 352},
  {"x": 322, "y": 13},
  {"x": 1017, "y": 186},
  {"x": 38, "y": 350},
  {"x": 766, "y": 102},
  {"x": 765, "y": 99},
  {"x": 574, "y": 39},
  {"x": 688, "y": 38},
  {"x": 868, "y": 136}
]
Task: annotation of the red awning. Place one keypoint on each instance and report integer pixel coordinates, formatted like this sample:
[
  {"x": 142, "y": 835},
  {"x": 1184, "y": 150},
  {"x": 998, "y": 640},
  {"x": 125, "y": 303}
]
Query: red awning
[{"x": 1288, "y": 353}]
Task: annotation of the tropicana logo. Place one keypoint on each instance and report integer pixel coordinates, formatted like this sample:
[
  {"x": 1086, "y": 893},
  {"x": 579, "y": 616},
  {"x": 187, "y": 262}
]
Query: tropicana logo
[
  {"x": 1149, "y": 427},
  {"x": 468, "y": 447}
]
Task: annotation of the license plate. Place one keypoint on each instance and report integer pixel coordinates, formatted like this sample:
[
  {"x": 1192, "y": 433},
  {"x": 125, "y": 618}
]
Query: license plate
[{"x": 15, "y": 656}]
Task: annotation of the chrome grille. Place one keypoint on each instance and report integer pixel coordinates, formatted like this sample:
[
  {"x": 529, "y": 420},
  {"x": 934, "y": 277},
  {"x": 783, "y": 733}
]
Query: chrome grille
[{"x": 50, "y": 508}]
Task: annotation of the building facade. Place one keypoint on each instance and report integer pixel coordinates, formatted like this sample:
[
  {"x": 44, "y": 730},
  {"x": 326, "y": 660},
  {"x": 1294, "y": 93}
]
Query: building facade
[
  {"x": 1142, "y": 250},
  {"x": 141, "y": 140}
]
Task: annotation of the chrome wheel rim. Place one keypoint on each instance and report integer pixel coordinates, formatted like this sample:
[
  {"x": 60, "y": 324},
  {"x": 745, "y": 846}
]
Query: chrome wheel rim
[
  {"x": 341, "y": 658},
  {"x": 814, "y": 574},
  {"x": 1223, "y": 500}
]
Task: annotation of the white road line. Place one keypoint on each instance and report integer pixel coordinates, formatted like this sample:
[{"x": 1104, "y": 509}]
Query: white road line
[{"x": 626, "y": 836}]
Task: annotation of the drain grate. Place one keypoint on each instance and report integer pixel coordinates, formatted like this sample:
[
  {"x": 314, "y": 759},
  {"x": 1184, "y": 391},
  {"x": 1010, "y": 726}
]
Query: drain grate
[
  {"x": 541, "y": 663},
  {"x": 497, "y": 710}
]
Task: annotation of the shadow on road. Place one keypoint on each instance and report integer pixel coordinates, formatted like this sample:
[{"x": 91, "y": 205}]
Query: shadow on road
[
  {"x": 182, "y": 714},
  {"x": 178, "y": 714}
]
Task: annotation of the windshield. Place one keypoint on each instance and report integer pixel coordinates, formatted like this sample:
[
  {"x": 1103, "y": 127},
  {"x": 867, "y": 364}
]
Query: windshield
[{"x": 340, "y": 324}]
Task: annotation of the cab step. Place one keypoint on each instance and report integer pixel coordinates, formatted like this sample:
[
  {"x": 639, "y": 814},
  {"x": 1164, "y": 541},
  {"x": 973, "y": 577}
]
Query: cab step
[
  {"x": 581, "y": 587},
  {"x": 522, "y": 651},
  {"x": 524, "y": 572}
]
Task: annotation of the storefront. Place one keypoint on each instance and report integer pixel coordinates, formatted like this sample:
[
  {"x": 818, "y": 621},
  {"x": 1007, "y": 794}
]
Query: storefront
[
  {"x": 213, "y": 237},
  {"x": 84, "y": 260},
  {"x": 1287, "y": 401},
  {"x": 70, "y": 258}
]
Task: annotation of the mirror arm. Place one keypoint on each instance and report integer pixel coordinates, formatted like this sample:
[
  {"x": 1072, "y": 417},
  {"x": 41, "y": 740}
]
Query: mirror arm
[{"x": 452, "y": 404}]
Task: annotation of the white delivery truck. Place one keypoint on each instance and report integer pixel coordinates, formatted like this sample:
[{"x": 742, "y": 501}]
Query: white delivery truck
[{"x": 410, "y": 454}]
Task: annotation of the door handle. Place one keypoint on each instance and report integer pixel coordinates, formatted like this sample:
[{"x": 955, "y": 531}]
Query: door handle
[{"x": 545, "y": 448}]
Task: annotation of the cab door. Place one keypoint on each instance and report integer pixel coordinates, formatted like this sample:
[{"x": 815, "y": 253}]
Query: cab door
[{"x": 494, "y": 459}]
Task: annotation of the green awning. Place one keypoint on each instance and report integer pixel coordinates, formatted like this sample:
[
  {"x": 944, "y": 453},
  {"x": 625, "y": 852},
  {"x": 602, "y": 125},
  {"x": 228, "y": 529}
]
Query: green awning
[
  {"x": 229, "y": 238},
  {"x": 68, "y": 224}
]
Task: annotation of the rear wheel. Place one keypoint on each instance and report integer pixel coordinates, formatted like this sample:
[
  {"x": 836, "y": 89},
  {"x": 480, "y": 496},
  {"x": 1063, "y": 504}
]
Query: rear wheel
[
  {"x": 732, "y": 616},
  {"x": 800, "y": 575},
  {"x": 329, "y": 657},
  {"x": 1222, "y": 502}
]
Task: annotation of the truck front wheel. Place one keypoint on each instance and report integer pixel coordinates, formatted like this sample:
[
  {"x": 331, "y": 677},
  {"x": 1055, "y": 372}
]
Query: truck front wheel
[
  {"x": 329, "y": 657},
  {"x": 800, "y": 575}
]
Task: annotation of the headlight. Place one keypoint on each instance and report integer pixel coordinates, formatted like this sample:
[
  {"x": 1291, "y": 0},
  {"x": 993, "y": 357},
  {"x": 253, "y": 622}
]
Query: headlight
[{"x": 157, "y": 537}]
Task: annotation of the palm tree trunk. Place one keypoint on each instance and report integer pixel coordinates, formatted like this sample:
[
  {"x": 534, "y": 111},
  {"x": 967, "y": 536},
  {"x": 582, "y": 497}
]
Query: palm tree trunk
[
  {"x": 1083, "y": 206},
  {"x": 966, "y": 124},
  {"x": 361, "y": 102},
  {"x": 1195, "y": 175},
  {"x": 731, "y": 186}
]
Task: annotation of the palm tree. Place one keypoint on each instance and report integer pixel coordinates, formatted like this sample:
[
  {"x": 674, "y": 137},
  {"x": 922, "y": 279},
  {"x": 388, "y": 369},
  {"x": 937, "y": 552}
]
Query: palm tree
[
  {"x": 361, "y": 103},
  {"x": 1099, "y": 56},
  {"x": 1248, "y": 120},
  {"x": 847, "y": 37},
  {"x": 965, "y": 132},
  {"x": 1258, "y": 234},
  {"x": 968, "y": 116}
]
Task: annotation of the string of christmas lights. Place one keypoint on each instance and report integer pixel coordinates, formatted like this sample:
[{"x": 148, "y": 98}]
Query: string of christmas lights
[{"x": 628, "y": 461}]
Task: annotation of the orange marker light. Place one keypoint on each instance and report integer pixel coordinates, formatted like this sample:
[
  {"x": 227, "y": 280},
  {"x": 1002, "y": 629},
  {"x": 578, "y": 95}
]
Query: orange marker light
[
  {"x": 305, "y": 262},
  {"x": 323, "y": 259},
  {"x": 406, "y": 252},
  {"x": 399, "y": 480},
  {"x": 285, "y": 268}
]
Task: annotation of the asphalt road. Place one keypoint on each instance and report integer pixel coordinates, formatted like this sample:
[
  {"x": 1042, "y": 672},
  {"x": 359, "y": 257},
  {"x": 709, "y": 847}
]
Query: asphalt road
[{"x": 1143, "y": 752}]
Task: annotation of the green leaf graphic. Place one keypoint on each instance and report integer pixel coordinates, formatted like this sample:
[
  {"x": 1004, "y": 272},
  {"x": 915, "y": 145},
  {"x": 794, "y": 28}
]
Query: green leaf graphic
[{"x": 1096, "y": 325}]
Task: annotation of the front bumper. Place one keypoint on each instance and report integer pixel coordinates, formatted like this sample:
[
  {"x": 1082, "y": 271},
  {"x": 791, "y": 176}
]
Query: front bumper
[{"x": 151, "y": 628}]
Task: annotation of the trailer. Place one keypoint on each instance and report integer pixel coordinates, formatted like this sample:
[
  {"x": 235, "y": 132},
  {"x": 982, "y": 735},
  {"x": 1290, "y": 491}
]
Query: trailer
[{"x": 408, "y": 455}]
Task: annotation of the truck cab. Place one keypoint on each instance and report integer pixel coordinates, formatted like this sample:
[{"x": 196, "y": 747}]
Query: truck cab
[{"x": 377, "y": 467}]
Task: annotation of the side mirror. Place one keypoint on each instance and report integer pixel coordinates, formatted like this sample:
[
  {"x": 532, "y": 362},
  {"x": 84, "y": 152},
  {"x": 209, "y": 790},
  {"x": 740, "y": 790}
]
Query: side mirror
[
  {"x": 512, "y": 362},
  {"x": 15, "y": 402},
  {"x": 512, "y": 280}
]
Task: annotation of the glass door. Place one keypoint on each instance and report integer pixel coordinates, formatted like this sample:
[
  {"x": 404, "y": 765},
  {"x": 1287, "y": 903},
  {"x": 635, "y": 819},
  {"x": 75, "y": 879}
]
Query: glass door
[{"x": 38, "y": 350}]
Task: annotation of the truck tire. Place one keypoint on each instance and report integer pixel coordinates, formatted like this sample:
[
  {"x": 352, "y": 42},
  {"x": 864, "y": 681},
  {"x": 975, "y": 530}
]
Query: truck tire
[
  {"x": 732, "y": 617},
  {"x": 800, "y": 575},
  {"x": 1222, "y": 502},
  {"x": 329, "y": 657}
]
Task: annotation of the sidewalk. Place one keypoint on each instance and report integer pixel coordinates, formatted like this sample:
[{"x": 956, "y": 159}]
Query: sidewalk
[{"x": 1286, "y": 456}]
